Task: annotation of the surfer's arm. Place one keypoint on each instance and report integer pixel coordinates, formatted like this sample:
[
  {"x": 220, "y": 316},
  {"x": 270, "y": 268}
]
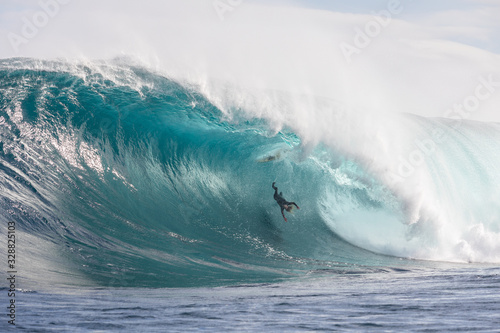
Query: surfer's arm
[
  {"x": 275, "y": 192},
  {"x": 293, "y": 203}
]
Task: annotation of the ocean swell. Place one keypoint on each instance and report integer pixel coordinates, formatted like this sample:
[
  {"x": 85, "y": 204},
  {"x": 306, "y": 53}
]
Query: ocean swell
[{"x": 121, "y": 176}]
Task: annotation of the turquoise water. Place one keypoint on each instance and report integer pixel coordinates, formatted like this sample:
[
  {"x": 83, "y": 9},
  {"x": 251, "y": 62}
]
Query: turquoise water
[
  {"x": 152, "y": 183},
  {"x": 139, "y": 203}
]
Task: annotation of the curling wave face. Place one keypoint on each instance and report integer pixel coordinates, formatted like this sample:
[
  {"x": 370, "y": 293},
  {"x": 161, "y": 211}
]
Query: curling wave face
[{"x": 120, "y": 176}]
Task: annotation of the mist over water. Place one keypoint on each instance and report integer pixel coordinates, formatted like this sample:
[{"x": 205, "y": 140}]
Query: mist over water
[{"x": 149, "y": 128}]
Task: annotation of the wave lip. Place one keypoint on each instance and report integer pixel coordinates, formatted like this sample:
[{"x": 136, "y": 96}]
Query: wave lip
[{"x": 132, "y": 179}]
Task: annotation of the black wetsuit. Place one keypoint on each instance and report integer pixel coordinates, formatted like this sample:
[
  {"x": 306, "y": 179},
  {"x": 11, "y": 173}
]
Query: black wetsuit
[{"x": 282, "y": 202}]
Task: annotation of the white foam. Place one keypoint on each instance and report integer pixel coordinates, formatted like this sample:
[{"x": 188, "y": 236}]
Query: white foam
[{"x": 274, "y": 63}]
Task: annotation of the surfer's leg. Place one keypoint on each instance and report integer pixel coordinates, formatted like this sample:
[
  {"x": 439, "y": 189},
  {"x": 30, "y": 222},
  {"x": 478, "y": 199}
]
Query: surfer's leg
[{"x": 282, "y": 213}]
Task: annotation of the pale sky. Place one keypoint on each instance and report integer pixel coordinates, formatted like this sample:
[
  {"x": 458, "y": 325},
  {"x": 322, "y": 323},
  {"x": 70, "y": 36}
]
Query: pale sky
[
  {"x": 472, "y": 22},
  {"x": 425, "y": 57}
]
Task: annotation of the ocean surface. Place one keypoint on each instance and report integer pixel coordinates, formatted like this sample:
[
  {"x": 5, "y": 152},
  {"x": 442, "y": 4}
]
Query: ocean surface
[
  {"x": 144, "y": 203},
  {"x": 420, "y": 300}
]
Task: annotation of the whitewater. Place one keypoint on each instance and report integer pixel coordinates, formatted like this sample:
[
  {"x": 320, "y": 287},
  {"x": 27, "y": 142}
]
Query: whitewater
[{"x": 139, "y": 182}]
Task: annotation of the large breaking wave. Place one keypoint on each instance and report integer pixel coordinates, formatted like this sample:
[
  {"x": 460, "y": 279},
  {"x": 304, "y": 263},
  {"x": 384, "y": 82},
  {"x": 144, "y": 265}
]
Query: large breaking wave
[{"x": 117, "y": 175}]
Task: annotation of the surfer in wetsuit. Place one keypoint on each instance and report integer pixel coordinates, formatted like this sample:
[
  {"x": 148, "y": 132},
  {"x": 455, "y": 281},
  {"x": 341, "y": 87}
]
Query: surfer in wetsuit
[{"x": 285, "y": 205}]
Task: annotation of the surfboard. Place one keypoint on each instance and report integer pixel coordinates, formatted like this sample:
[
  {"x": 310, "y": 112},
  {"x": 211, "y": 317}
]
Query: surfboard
[
  {"x": 269, "y": 158},
  {"x": 275, "y": 155}
]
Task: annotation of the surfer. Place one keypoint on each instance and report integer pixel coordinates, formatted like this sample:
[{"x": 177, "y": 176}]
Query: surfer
[{"x": 285, "y": 205}]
